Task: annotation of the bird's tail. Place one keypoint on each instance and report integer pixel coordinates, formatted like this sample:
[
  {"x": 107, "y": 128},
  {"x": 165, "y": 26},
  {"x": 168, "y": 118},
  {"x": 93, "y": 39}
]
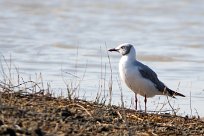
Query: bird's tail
[{"x": 173, "y": 93}]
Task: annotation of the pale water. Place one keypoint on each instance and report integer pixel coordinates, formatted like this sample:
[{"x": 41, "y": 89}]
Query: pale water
[{"x": 64, "y": 39}]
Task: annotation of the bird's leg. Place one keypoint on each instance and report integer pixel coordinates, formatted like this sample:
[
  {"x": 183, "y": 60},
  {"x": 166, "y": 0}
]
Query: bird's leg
[
  {"x": 145, "y": 100},
  {"x": 136, "y": 101}
]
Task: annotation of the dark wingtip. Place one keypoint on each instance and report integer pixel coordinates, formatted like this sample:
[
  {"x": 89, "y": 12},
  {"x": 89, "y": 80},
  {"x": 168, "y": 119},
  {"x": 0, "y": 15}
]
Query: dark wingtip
[
  {"x": 173, "y": 93},
  {"x": 179, "y": 94}
]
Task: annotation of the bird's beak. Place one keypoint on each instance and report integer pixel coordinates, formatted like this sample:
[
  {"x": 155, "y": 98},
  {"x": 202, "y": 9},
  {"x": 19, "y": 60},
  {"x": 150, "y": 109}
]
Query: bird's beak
[{"x": 113, "y": 49}]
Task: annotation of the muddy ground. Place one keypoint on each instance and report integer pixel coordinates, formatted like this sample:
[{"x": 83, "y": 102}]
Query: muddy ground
[{"x": 34, "y": 114}]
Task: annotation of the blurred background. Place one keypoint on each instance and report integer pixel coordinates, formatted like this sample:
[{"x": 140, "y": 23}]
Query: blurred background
[{"x": 66, "y": 41}]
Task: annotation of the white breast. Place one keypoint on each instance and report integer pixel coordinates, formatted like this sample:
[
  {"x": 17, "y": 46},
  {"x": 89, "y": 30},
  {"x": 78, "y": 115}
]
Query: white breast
[{"x": 130, "y": 74}]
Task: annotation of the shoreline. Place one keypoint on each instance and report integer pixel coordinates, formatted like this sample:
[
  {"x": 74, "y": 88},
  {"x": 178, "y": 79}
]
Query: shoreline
[{"x": 38, "y": 114}]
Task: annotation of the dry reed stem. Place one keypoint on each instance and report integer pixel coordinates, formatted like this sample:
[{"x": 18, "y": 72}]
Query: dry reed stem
[
  {"x": 75, "y": 104},
  {"x": 111, "y": 77}
]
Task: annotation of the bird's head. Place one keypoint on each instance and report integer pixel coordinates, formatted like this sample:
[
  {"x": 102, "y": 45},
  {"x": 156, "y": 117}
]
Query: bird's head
[{"x": 123, "y": 49}]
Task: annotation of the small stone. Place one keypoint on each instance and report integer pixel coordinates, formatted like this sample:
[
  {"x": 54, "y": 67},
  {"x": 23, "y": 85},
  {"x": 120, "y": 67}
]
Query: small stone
[
  {"x": 1, "y": 123},
  {"x": 10, "y": 131},
  {"x": 65, "y": 113},
  {"x": 39, "y": 132}
]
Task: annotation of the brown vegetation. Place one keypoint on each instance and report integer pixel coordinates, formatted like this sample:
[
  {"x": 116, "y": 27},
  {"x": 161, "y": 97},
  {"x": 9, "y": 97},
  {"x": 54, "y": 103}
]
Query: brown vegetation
[{"x": 38, "y": 114}]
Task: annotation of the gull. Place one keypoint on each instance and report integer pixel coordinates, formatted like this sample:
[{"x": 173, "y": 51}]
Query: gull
[{"x": 138, "y": 77}]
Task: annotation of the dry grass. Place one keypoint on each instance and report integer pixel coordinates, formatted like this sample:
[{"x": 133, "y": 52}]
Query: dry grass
[
  {"x": 38, "y": 114},
  {"x": 29, "y": 108}
]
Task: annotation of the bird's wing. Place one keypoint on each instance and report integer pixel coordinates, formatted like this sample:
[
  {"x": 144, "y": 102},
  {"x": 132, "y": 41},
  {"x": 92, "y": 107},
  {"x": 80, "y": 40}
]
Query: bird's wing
[{"x": 149, "y": 74}]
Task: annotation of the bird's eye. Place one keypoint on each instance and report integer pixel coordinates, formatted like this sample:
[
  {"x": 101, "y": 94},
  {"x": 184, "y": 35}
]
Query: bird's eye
[{"x": 123, "y": 47}]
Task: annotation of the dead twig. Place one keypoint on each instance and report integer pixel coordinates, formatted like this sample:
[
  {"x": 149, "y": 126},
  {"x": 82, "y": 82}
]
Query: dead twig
[
  {"x": 75, "y": 104},
  {"x": 171, "y": 105}
]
